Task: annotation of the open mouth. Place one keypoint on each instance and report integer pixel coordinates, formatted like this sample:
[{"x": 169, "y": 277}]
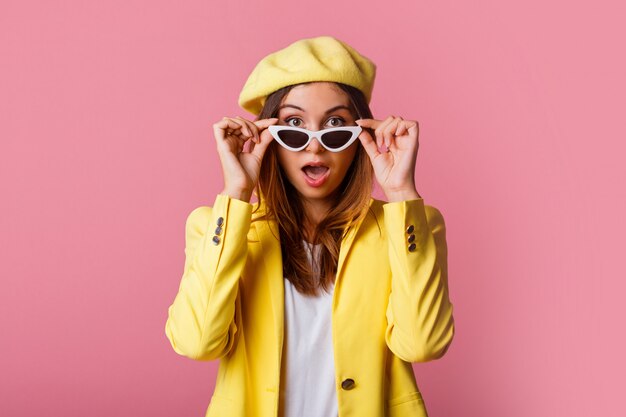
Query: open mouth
[{"x": 315, "y": 172}]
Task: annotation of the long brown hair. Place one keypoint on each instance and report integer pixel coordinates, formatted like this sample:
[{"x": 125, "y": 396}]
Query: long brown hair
[{"x": 283, "y": 204}]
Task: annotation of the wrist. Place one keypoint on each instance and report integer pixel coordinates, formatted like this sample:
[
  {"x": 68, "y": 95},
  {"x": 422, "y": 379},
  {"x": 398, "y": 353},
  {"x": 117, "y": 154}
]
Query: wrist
[
  {"x": 402, "y": 195},
  {"x": 242, "y": 195}
]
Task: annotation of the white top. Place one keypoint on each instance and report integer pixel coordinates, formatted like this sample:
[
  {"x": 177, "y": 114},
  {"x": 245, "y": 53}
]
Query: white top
[{"x": 308, "y": 369}]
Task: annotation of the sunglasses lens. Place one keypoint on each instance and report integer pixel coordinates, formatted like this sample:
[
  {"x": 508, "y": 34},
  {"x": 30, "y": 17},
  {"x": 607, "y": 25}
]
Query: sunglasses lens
[
  {"x": 336, "y": 139},
  {"x": 293, "y": 138}
]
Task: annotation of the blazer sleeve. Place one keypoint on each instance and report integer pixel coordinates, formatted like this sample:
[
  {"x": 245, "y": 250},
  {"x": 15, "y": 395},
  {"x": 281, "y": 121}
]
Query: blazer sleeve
[
  {"x": 420, "y": 324},
  {"x": 201, "y": 321}
]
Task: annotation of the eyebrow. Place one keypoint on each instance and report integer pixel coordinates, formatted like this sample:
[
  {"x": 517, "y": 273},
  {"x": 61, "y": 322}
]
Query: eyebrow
[{"x": 341, "y": 106}]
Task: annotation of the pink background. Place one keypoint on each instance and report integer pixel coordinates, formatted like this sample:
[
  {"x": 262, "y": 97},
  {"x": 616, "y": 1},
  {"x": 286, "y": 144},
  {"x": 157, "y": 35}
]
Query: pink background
[{"x": 106, "y": 146}]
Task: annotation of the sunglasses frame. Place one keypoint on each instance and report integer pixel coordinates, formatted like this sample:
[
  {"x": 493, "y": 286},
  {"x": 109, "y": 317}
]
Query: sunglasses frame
[{"x": 355, "y": 130}]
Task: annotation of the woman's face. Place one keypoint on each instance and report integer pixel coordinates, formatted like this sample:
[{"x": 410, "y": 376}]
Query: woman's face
[{"x": 316, "y": 106}]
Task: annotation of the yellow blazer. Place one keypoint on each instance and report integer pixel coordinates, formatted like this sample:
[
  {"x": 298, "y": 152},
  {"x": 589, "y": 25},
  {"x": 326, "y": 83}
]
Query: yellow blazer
[{"x": 390, "y": 307}]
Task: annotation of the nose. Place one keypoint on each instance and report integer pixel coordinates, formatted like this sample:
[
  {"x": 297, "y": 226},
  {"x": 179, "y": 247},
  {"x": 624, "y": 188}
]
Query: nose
[{"x": 315, "y": 146}]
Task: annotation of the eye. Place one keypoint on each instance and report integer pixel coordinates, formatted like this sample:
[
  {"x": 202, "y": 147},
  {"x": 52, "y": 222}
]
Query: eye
[
  {"x": 338, "y": 121},
  {"x": 293, "y": 118}
]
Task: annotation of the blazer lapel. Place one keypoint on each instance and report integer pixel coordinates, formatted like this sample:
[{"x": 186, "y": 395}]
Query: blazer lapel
[
  {"x": 273, "y": 276},
  {"x": 273, "y": 271},
  {"x": 346, "y": 245}
]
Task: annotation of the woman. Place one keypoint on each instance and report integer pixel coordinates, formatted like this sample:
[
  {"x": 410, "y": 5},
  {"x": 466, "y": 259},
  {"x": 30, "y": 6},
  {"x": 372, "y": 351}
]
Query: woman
[{"x": 317, "y": 298}]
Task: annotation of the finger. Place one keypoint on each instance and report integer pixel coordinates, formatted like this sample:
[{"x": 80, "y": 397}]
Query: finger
[
  {"x": 399, "y": 127},
  {"x": 220, "y": 129},
  {"x": 369, "y": 144},
  {"x": 391, "y": 132},
  {"x": 261, "y": 147},
  {"x": 227, "y": 123},
  {"x": 371, "y": 123},
  {"x": 380, "y": 130},
  {"x": 388, "y": 132},
  {"x": 401, "y": 130},
  {"x": 257, "y": 126},
  {"x": 237, "y": 135},
  {"x": 235, "y": 132},
  {"x": 254, "y": 127},
  {"x": 251, "y": 146},
  {"x": 414, "y": 126},
  {"x": 262, "y": 124},
  {"x": 367, "y": 123},
  {"x": 250, "y": 128}
]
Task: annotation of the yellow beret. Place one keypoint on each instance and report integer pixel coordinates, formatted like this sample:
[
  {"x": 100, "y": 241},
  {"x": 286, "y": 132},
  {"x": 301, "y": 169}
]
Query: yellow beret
[{"x": 323, "y": 58}]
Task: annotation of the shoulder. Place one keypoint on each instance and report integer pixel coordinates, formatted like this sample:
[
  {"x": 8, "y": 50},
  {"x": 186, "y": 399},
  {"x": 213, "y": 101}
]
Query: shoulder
[
  {"x": 199, "y": 213},
  {"x": 202, "y": 217},
  {"x": 198, "y": 219},
  {"x": 433, "y": 215}
]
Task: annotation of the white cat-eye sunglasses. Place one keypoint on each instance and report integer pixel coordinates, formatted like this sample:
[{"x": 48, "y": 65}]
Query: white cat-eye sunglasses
[{"x": 335, "y": 139}]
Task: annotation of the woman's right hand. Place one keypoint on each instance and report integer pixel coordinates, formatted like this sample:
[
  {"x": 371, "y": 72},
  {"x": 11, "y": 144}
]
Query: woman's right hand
[{"x": 241, "y": 169}]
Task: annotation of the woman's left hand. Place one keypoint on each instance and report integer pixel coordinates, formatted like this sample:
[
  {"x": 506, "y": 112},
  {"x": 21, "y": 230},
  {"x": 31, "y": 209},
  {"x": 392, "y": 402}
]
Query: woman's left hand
[{"x": 395, "y": 168}]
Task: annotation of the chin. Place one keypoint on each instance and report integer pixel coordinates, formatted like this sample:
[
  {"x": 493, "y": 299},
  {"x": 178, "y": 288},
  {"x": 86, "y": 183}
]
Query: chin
[{"x": 315, "y": 193}]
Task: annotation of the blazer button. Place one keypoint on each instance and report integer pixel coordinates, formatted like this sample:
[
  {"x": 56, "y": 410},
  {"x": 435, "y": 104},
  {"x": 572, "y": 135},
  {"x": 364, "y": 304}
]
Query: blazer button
[
  {"x": 218, "y": 230},
  {"x": 411, "y": 238},
  {"x": 410, "y": 229},
  {"x": 348, "y": 384},
  {"x": 216, "y": 240},
  {"x": 220, "y": 221},
  {"x": 412, "y": 247}
]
